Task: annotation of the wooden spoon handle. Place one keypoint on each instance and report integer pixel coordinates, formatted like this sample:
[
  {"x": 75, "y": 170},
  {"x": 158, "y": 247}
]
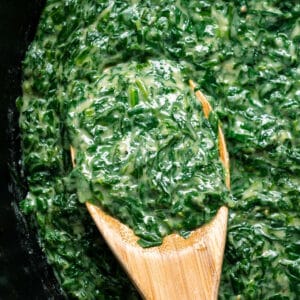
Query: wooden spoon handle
[{"x": 179, "y": 269}]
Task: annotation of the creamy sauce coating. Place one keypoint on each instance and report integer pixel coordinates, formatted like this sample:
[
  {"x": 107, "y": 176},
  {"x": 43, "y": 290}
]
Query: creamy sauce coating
[{"x": 244, "y": 55}]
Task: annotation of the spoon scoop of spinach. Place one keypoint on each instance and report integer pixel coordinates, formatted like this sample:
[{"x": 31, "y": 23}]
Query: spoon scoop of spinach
[{"x": 145, "y": 152}]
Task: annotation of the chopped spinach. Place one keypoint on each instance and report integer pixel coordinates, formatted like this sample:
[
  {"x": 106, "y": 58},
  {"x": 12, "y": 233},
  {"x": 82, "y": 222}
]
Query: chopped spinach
[
  {"x": 145, "y": 151},
  {"x": 85, "y": 84}
]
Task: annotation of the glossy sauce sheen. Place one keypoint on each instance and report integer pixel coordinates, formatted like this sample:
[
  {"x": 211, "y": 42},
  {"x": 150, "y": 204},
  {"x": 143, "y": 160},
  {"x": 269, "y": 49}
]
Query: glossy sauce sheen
[{"x": 244, "y": 58}]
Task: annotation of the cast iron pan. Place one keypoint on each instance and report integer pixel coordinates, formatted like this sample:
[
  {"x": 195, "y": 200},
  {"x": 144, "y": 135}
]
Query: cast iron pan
[{"x": 24, "y": 272}]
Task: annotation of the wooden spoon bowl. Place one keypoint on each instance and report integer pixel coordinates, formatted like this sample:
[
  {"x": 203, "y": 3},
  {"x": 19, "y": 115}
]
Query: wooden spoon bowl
[{"x": 179, "y": 269}]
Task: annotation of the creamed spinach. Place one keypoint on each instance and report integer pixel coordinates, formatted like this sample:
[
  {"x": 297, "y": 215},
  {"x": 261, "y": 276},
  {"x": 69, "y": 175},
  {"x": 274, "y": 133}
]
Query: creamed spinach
[{"x": 110, "y": 78}]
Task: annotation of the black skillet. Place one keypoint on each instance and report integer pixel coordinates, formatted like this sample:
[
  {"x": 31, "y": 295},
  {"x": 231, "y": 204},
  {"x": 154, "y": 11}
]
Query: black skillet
[{"x": 24, "y": 272}]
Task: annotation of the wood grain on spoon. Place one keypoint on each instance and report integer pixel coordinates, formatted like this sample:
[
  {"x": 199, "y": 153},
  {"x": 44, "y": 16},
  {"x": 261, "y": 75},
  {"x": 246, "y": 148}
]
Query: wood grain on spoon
[
  {"x": 222, "y": 144},
  {"x": 179, "y": 269}
]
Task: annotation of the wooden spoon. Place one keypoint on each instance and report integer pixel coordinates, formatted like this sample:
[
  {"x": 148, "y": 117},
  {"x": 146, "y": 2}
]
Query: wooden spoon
[{"x": 179, "y": 269}]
